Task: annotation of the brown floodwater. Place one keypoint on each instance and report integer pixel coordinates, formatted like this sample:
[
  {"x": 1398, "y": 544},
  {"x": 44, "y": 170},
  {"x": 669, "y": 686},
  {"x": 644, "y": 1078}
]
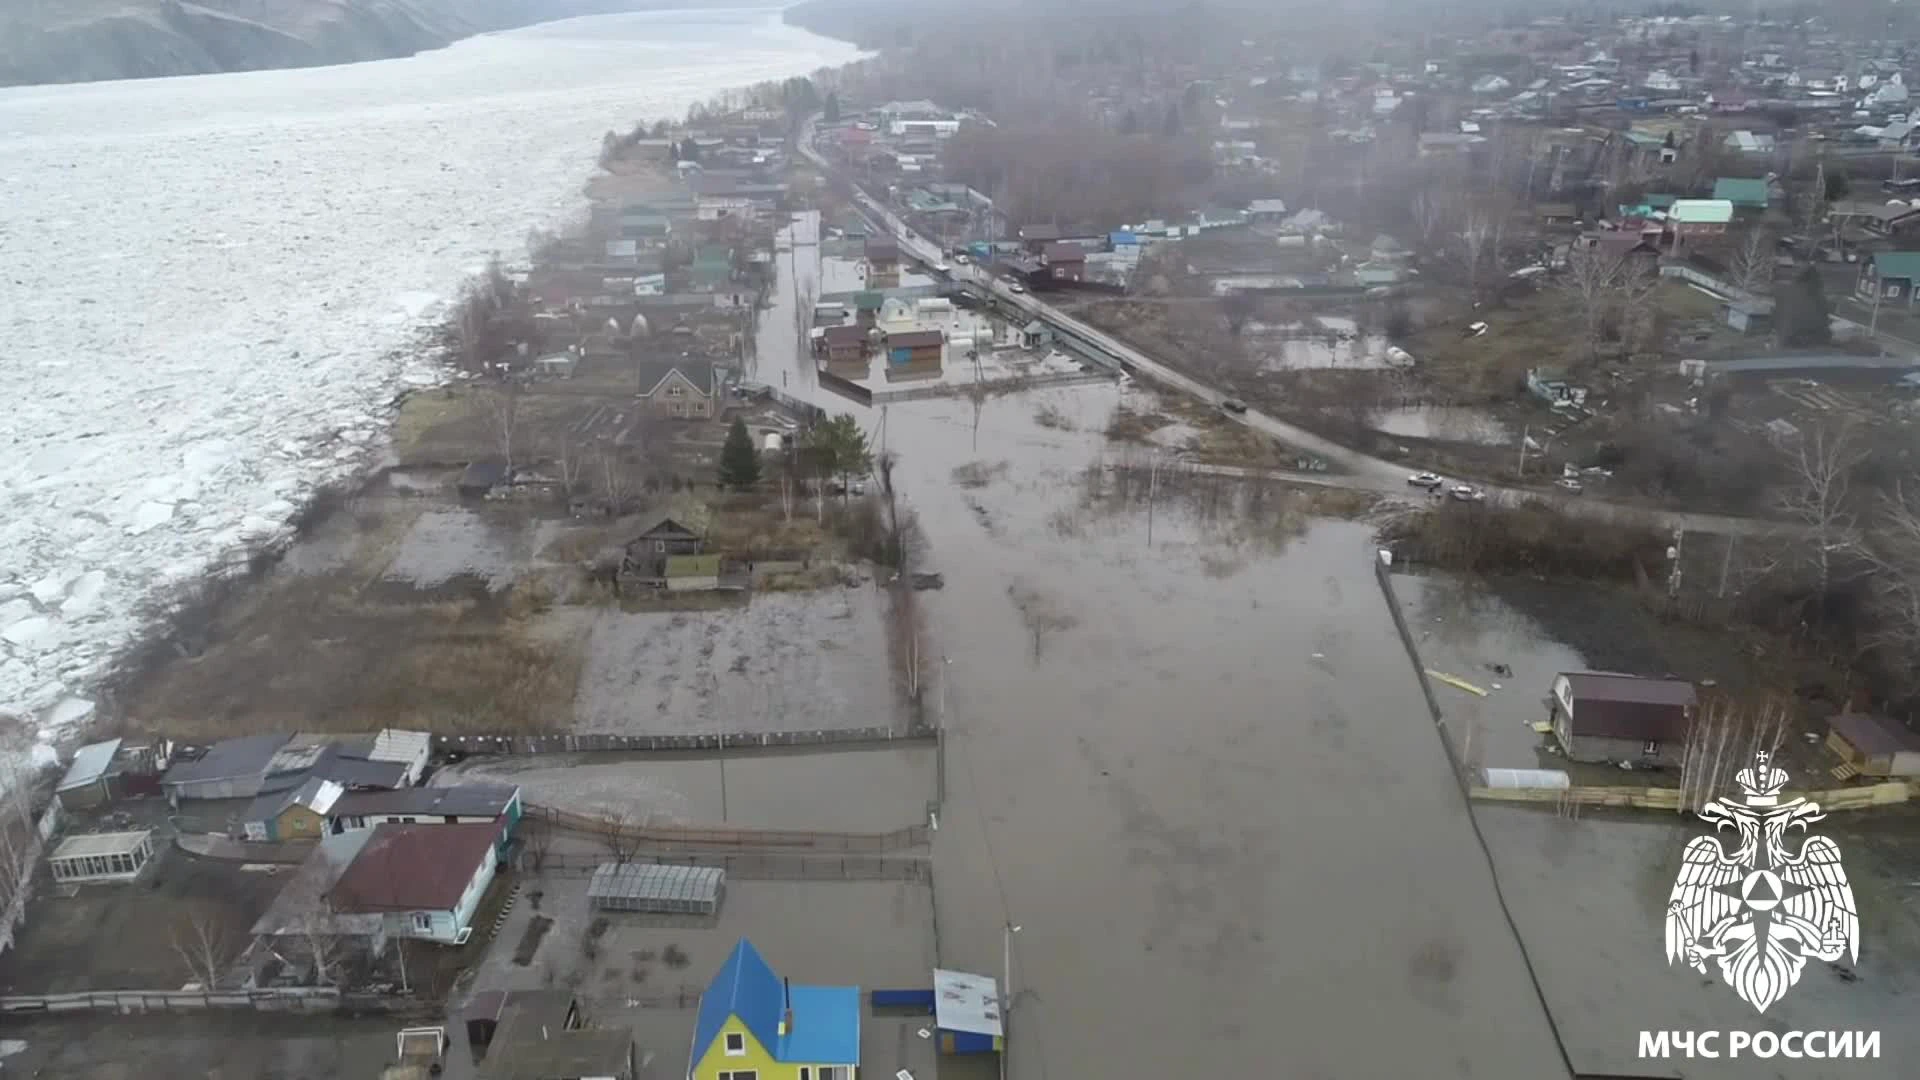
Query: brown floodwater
[{"x": 1195, "y": 771}]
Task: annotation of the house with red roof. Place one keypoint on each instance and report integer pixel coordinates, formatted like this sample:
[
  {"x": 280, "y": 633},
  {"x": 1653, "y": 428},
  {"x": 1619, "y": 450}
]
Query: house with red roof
[{"x": 419, "y": 881}]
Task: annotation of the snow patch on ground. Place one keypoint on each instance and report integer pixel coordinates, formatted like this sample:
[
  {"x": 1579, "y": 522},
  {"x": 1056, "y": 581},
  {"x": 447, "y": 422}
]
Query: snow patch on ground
[{"x": 184, "y": 393}]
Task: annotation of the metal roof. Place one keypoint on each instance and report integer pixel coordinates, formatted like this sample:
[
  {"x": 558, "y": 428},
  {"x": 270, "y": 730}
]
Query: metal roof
[
  {"x": 228, "y": 759},
  {"x": 1701, "y": 211},
  {"x": 1875, "y": 735},
  {"x": 459, "y": 800},
  {"x": 657, "y": 881},
  {"x": 97, "y": 844},
  {"x": 394, "y": 744},
  {"x": 414, "y": 868},
  {"x": 965, "y": 1002},
  {"x": 90, "y": 763},
  {"x": 1556, "y": 779},
  {"x": 1897, "y": 264}
]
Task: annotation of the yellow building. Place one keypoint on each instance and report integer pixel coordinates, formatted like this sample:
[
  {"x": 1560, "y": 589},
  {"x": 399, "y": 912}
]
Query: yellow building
[{"x": 754, "y": 1026}]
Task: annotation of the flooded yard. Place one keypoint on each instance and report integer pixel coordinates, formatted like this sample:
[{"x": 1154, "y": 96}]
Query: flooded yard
[
  {"x": 785, "y": 662},
  {"x": 1443, "y": 423},
  {"x": 813, "y": 789},
  {"x": 1325, "y": 343}
]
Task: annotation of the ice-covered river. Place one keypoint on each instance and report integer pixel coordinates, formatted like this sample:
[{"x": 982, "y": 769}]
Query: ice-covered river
[{"x": 209, "y": 287}]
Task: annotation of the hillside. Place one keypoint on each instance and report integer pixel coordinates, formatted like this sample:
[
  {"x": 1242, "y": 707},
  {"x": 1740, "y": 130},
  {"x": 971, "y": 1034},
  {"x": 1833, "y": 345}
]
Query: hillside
[{"x": 52, "y": 41}]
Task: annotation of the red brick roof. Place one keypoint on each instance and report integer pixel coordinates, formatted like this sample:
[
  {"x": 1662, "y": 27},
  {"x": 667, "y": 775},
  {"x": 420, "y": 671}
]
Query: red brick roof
[{"x": 414, "y": 867}]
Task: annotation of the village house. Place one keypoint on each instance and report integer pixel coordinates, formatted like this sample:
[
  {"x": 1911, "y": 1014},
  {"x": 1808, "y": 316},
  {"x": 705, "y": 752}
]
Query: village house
[
  {"x": 914, "y": 354},
  {"x": 534, "y": 1040},
  {"x": 1876, "y": 747},
  {"x": 455, "y": 804},
  {"x": 751, "y": 1023},
  {"x": 299, "y": 814},
  {"x": 1035, "y": 238},
  {"x": 420, "y": 881},
  {"x": 882, "y": 254},
  {"x": 1065, "y": 262},
  {"x": 1553, "y": 387},
  {"x": 1889, "y": 276},
  {"x": 644, "y": 559},
  {"x": 116, "y": 769},
  {"x": 250, "y": 765},
  {"x": 845, "y": 350},
  {"x": 687, "y": 389},
  {"x": 1699, "y": 217},
  {"x": 1606, "y": 718}
]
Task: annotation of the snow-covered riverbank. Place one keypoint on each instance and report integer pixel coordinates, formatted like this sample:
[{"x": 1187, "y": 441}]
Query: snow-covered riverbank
[{"x": 217, "y": 286}]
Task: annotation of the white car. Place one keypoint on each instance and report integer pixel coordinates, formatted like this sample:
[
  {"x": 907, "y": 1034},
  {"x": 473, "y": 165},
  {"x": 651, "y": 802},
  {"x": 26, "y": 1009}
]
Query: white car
[
  {"x": 961, "y": 259},
  {"x": 1570, "y": 485},
  {"x": 1015, "y": 287},
  {"x": 942, "y": 268},
  {"x": 1430, "y": 481},
  {"x": 1467, "y": 493}
]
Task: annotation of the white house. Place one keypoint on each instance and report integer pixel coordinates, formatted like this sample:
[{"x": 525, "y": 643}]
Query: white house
[
  {"x": 409, "y": 748},
  {"x": 420, "y": 881}
]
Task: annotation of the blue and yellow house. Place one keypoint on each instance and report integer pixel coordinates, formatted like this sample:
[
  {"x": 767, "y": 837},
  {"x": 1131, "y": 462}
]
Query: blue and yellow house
[{"x": 753, "y": 1025}]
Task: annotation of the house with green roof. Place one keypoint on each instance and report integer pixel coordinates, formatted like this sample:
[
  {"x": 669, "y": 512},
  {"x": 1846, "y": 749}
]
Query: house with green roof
[
  {"x": 712, "y": 266},
  {"x": 1889, "y": 277},
  {"x": 1743, "y": 193},
  {"x": 753, "y": 1025}
]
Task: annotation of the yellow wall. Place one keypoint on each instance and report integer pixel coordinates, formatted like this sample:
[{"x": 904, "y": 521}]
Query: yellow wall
[
  {"x": 715, "y": 1060},
  {"x": 299, "y": 823}
]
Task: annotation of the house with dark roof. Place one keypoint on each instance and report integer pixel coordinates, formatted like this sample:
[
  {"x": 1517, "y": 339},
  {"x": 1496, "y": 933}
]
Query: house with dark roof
[
  {"x": 229, "y": 769},
  {"x": 118, "y": 768},
  {"x": 419, "y": 881},
  {"x": 457, "y": 804},
  {"x": 528, "y": 1047},
  {"x": 1035, "y": 238},
  {"x": 1065, "y": 262},
  {"x": 914, "y": 354},
  {"x": 684, "y": 389},
  {"x": 844, "y": 348},
  {"x": 753, "y": 1022},
  {"x": 1889, "y": 277},
  {"x": 1607, "y": 717}
]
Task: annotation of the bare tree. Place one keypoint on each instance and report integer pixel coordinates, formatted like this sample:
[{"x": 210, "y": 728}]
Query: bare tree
[
  {"x": 1238, "y": 306},
  {"x": 1822, "y": 462},
  {"x": 1476, "y": 234},
  {"x": 613, "y": 482},
  {"x": 1635, "y": 284},
  {"x": 202, "y": 941},
  {"x": 1590, "y": 281},
  {"x": 1752, "y": 264},
  {"x": 1041, "y": 614},
  {"x": 618, "y": 831},
  {"x": 1435, "y": 207},
  {"x": 1895, "y": 555},
  {"x": 536, "y": 839},
  {"x": 502, "y": 403}
]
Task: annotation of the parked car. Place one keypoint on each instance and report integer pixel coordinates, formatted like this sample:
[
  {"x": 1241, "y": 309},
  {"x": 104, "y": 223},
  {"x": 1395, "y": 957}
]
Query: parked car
[
  {"x": 1569, "y": 484},
  {"x": 1426, "y": 480},
  {"x": 1233, "y": 405},
  {"x": 1016, "y": 287},
  {"x": 1467, "y": 493},
  {"x": 942, "y": 268},
  {"x": 961, "y": 259}
]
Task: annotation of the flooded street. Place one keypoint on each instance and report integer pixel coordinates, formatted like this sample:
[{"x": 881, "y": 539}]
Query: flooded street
[{"x": 1196, "y": 772}]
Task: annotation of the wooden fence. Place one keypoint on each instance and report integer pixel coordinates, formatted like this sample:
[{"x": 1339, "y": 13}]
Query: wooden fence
[
  {"x": 755, "y": 866},
  {"x": 688, "y": 838},
  {"x": 1661, "y": 798},
  {"x": 695, "y": 741},
  {"x": 287, "y": 999}
]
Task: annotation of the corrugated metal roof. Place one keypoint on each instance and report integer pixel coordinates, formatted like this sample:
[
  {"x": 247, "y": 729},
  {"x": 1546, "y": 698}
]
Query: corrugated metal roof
[
  {"x": 459, "y": 800},
  {"x": 1701, "y": 211},
  {"x": 657, "y": 881},
  {"x": 1875, "y": 735},
  {"x": 394, "y": 744},
  {"x": 413, "y": 868},
  {"x": 90, "y": 763},
  {"x": 229, "y": 759},
  {"x": 965, "y": 1002}
]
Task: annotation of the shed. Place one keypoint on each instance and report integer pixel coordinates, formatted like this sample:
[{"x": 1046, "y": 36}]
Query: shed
[
  {"x": 1876, "y": 746},
  {"x": 410, "y": 749},
  {"x": 1610, "y": 717},
  {"x": 85, "y": 783},
  {"x": 114, "y": 856},
  {"x": 555, "y": 1010},
  {"x": 481, "y": 477},
  {"x": 966, "y": 1012},
  {"x": 229, "y": 769},
  {"x": 658, "y": 888}
]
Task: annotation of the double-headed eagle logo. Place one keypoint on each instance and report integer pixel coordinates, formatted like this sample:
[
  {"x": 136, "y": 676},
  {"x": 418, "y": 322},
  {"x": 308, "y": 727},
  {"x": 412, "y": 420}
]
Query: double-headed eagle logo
[{"x": 1760, "y": 911}]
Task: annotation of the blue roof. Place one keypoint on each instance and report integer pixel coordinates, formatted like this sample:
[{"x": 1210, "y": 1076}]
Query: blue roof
[
  {"x": 826, "y": 1019},
  {"x": 1122, "y": 238},
  {"x": 745, "y": 987},
  {"x": 826, "y": 1026}
]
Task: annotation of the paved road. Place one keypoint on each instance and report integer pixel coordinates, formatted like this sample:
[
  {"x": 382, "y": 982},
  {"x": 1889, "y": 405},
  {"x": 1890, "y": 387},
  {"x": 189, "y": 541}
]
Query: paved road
[{"x": 1357, "y": 470}]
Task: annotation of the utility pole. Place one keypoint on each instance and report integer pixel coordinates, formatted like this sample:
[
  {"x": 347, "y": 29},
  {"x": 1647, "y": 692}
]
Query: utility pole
[
  {"x": 1006, "y": 993},
  {"x": 1726, "y": 563},
  {"x": 1525, "y": 433},
  {"x": 1153, "y": 492}
]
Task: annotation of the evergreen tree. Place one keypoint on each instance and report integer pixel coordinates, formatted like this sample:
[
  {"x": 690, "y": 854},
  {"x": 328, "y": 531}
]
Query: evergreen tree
[
  {"x": 1801, "y": 311},
  {"x": 833, "y": 107},
  {"x": 739, "y": 461},
  {"x": 1130, "y": 123},
  {"x": 1172, "y": 125}
]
